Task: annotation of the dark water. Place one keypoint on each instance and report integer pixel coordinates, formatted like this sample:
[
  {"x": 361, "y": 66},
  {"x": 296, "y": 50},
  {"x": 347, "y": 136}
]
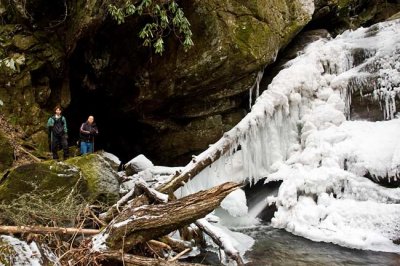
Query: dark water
[{"x": 278, "y": 247}]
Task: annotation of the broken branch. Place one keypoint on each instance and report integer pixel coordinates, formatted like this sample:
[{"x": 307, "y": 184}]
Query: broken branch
[{"x": 46, "y": 230}]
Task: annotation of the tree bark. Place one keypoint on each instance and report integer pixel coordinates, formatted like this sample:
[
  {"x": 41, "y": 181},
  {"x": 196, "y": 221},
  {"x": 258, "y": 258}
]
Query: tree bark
[
  {"x": 141, "y": 224},
  {"x": 47, "y": 230}
]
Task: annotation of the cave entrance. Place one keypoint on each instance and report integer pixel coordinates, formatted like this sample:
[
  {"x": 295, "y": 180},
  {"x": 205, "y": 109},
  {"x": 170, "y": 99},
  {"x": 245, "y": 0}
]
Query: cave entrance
[
  {"x": 102, "y": 84},
  {"x": 119, "y": 133}
]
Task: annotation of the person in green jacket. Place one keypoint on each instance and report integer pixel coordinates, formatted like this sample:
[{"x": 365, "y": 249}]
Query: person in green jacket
[{"x": 58, "y": 133}]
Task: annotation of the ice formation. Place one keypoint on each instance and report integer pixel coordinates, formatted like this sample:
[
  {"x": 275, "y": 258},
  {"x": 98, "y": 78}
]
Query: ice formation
[{"x": 297, "y": 132}]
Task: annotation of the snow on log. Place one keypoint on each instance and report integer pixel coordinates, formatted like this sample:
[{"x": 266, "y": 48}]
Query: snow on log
[
  {"x": 140, "y": 224},
  {"x": 206, "y": 158},
  {"x": 140, "y": 188},
  {"x": 220, "y": 239}
]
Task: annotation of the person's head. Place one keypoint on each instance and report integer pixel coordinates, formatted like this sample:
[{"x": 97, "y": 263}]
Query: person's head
[
  {"x": 90, "y": 119},
  {"x": 57, "y": 110}
]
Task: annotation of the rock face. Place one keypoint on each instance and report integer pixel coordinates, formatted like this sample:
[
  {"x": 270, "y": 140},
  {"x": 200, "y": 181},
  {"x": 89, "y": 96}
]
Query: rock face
[
  {"x": 24, "y": 76},
  {"x": 168, "y": 107},
  {"x": 337, "y": 16},
  {"x": 205, "y": 88}
]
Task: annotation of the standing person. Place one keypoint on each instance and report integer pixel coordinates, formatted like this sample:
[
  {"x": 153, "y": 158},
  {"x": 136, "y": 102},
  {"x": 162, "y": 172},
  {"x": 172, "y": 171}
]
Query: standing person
[
  {"x": 87, "y": 133},
  {"x": 57, "y": 127}
]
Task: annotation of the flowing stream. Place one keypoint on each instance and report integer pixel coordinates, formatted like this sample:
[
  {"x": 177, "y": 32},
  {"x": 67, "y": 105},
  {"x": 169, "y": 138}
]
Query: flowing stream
[{"x": 278, "y": 247}]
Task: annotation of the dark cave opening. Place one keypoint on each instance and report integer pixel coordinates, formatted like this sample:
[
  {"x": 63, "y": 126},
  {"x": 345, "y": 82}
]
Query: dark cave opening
[
  {"x": 46, "y": 13},
  {"x": 119, "y": 133},
  {"x": 102, "y": 83}
]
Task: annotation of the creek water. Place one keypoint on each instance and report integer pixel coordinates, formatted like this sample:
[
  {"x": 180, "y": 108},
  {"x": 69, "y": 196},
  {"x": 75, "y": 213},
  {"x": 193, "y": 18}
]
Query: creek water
[{"x": 278, "y": 247}]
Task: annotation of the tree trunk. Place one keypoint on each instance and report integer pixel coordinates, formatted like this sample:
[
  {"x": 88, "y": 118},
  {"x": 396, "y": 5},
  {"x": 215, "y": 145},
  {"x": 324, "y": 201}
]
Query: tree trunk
[
  {"x": 47, "y": 230},
  {"x": 141, "y": 224}
]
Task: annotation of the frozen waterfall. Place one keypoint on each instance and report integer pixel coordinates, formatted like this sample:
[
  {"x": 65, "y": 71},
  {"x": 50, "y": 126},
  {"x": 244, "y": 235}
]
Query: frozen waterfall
[{"x": 297, "y": 132}]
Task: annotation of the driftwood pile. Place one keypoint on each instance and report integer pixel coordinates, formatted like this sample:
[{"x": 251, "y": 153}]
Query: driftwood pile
[{"x": 136, "y": 230}]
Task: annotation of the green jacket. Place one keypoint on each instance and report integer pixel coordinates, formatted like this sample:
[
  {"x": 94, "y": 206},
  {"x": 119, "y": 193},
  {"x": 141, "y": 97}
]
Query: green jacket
[{"x": 52, "y": 119}]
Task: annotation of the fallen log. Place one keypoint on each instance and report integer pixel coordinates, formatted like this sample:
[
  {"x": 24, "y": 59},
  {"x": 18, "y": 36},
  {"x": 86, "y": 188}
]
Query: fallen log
[
  {"x": 179, "y": 255},
  {"x": 36, "y": 159},
  {"x": 175, "y": 244},
  {"x": 141, "y": 224},
  {"x": 129, "y": 200},
  {"x": 229, "y": 250},
  {"x": 46, "y": 230},
  {"x": 115, "y": 209},
  {"x": 159, "y": 244},
  {"x": 197, "y": 164}
]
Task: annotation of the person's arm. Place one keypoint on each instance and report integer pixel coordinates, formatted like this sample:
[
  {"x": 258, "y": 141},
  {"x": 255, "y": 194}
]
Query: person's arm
[
  {"x": 50, "y": 122},
  {"x": 83, "y": 130},
  {"x": 65, "y": 125}
]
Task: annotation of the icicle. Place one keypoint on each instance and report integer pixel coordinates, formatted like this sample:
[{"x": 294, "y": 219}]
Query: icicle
[{"x": 256, "y": 85}]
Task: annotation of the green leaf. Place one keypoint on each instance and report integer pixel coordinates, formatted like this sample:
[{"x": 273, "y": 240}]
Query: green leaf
[
  {"x": 130, "y": 10},
  {"x": 172, "y": 6},
  {"x": 188, "y": 42},
  {"x": 159, "y": 46}
]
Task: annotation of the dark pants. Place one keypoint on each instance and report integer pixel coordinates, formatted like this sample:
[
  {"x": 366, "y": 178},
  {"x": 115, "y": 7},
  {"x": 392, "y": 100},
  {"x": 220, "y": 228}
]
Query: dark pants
[{"x": 58, "y": 141}]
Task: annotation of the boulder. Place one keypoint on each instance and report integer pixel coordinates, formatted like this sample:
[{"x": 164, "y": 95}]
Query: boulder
[
  {"x": 101, "y": 178},
  {"x": 137, "y": 164},
  {"x": 90, "y": 175},
  {"x": 113, "y": 160}
]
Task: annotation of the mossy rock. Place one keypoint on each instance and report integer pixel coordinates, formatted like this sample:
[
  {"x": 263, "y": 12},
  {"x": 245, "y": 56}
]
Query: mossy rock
[
  {"x": 91, "y": 176},
  {"x": 6, "y": 153},
  {"x": 41, "y": 178},
  {"x": 101, "y": 178}
]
